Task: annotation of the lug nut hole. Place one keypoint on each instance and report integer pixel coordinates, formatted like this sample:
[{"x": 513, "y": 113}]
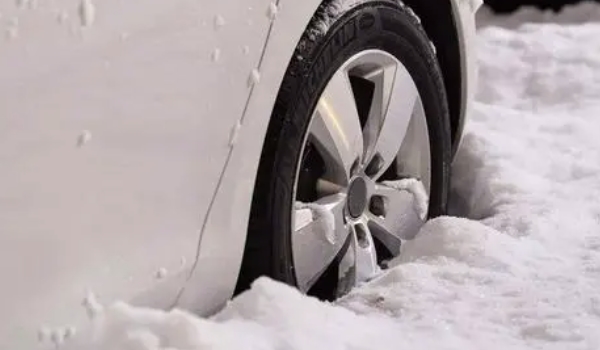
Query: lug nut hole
[
  {"x": 377, "y": 206},
  {"x": 361, "y": 236}
]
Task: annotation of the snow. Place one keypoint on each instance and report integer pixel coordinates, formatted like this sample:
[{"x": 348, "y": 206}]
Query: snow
[
  {"x": 84, "y": 137},
  {"x": 12, "y": 30},
  {"x": 56, "y": 336},
  {"x": 336, "y": 8},
  {"x": 327, "y": 16},
  {"x": 314, "y": 212},
  {"x": 254, "y": 77},
  {"x": 69, "y": 332},
  {"x": 21, "y": 3},
  {"x": 161, "y": 273},
  {"x": 62, "y": 17},
  {"x": 216, "y": 55},
  {"x": 413, "y": 14},
  {"x": 235, "y": 133},
  {"x": 219, "y": 21},
  {"x": 418, "y": 191},
  {"x": 520, "y": 270},
  {"x": 92, "y": 306},
  {"x": 87, "y": 13},
  {"x": 272, "y": 11}
]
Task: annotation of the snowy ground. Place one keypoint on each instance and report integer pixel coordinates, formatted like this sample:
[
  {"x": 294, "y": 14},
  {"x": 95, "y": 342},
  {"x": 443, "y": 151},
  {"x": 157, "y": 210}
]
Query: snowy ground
[{"x": 522, "y": 272}]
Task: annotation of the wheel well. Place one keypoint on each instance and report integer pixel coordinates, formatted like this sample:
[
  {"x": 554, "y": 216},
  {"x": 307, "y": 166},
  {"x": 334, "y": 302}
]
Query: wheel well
[{"x": 438, "y": 21}]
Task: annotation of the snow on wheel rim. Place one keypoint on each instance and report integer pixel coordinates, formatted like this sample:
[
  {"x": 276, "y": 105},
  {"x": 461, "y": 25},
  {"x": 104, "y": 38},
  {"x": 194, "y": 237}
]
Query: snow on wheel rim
[{"x": 364, "y": 173}]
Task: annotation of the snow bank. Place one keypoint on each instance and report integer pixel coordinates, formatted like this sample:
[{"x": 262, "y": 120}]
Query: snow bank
[{"x": 522, "y": 272}]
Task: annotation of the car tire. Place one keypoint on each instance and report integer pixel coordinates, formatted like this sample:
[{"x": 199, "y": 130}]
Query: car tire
[{"x": 333, "y": 38}]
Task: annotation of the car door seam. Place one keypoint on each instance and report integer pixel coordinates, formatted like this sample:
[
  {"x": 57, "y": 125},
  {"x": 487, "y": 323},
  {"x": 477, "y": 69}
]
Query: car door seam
[{"x": 236, "y": 129}]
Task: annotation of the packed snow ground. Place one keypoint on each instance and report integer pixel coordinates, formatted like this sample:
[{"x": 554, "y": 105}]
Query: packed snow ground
[{"x": 522, "y": 272}]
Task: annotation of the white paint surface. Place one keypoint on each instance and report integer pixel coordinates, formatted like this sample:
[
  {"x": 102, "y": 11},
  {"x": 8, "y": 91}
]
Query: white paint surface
[{"x": 102, "y": 214}]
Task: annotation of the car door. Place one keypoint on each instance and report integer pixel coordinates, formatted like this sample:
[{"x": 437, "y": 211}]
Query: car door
[{"x": 115, "y": 121}]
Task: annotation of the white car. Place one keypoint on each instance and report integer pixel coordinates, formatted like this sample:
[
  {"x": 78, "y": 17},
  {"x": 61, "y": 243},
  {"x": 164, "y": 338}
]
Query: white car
[{"x": 167, "y": 153}]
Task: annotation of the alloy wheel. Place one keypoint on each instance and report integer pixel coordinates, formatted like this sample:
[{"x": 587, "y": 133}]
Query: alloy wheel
[{"x": 363, "y": 180}]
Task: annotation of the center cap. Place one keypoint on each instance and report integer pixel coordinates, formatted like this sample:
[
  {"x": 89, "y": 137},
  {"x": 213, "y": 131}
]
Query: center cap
[{"x": 357, "y": 197}]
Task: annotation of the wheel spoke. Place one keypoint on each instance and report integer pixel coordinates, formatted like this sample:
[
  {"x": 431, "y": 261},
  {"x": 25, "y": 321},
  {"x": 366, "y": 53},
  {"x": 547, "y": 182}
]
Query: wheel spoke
[
  {"x": 403, "y": 97},
  {"x": 359, "y": 263},
  {"x": 366, "y": 256},
  {"x": 319, "y": 234},
  {"x": 368, "y": 117},
  {"x": 397, "y": 211},
  {"x": 383, "y": 84},
  {"x": 336, "y": 129}
]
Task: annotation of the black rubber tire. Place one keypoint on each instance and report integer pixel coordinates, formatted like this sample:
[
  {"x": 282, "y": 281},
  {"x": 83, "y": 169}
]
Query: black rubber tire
[{"x": 384, "y": 25}]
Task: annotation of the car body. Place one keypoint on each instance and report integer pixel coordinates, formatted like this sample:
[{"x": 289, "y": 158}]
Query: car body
[{"x": 119, "y": 129}]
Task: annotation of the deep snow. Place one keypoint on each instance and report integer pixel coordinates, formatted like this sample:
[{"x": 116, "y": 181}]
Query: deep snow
[{"x": 522, "y": 272}]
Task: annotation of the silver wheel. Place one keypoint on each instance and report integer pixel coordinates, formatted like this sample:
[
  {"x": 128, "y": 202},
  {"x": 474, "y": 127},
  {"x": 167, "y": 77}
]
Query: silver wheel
[{"x": 363, "y": 179}]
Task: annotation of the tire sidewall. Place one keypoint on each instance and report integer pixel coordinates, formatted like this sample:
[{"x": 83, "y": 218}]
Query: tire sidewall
[{"x": 381, "y": 25}]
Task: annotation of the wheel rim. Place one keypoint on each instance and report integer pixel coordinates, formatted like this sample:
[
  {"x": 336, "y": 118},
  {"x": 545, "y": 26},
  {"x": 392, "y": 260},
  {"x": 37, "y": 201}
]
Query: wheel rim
[{"x": 363, "y": 178}]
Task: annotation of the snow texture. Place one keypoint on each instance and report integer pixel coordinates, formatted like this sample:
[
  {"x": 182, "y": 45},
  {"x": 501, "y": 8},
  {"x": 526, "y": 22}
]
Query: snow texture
[
  {"x": 219, "y": 21},
  {"x": 235, "y": 133},
  {"x": 254, "y": 77},
  {"x": 84, "y": 137},
  {"x": 333, "y": 10},
  {"x": 319, "y": 213},
  {"x": 62, "y": 17},
  {"x": 327, "y": 15},
  {"x": 272, "y": 11},
  {"x": 216, "y": 55},
  {"x": 92, "y": 307},
  {"x": 520, "y": 271},
  {"x": 12, "y": 30},
  {"x": 161, "y": 273},
  {"x": 418, "y": 191},
  {"x": 87, "y": 13}
]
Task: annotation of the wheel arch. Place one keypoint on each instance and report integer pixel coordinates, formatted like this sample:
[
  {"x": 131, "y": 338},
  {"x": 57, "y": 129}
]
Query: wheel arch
[{"x": 439, "y": 22}]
